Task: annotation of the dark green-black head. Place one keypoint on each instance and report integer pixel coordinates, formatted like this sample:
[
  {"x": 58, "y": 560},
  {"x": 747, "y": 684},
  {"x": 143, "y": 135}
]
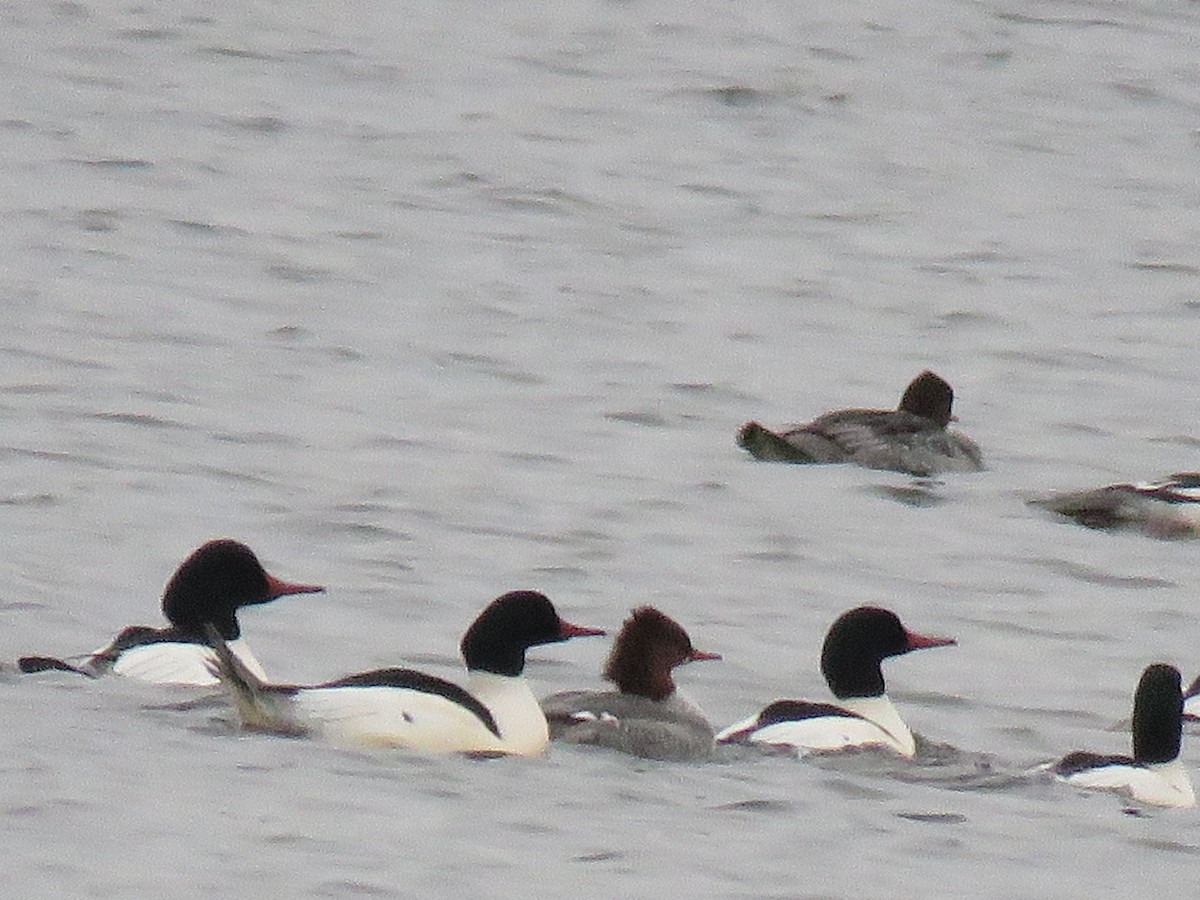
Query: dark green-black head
[
  {"x": 858, "y": 641},
  {"x": 215, "y": 581},
  {"x": 1157, "y": 715},
  {"x": 512, "y": 623}
]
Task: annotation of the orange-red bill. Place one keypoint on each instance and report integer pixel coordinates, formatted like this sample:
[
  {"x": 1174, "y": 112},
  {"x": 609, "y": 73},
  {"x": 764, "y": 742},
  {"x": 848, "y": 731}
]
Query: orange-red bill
[
  {"x": 277, "y": 588},
  {"x": 567, "y": 630},
  {"x": 922, "y": 641}
]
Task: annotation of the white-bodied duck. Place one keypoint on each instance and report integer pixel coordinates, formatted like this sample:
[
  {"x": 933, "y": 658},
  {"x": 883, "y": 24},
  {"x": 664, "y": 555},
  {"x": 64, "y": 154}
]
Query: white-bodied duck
[
  {"x": 1154, "y": 774},
  {"x": 210, "y": 586},
  {"x": 855, "y": 646},
  {"x": 494, "y": 712}
]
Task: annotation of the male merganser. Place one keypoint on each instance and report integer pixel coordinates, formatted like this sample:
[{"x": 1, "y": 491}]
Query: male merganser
[
  {"x": 1166, "y": 509},
  {"x": 209, "y": 587},
  {"x": 912, "y": 438},
  {"x": 864, "y": 716},
  {"x": 1154, "y": 773},
  {"x": 495, "y": 712},
  {"x": 645, "y": 716}
]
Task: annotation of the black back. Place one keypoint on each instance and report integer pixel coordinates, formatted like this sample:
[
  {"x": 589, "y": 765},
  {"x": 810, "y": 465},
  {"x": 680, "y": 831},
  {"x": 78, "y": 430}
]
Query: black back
[
  {"x": 1082, "y": 761},
  {"x": 930, "y": 397},
  {"x": 413, "y": 680},
  {"x": 787, "y": 711},
  {"x": 798, "y": 710},
  {"x": 498, "y": 638}
]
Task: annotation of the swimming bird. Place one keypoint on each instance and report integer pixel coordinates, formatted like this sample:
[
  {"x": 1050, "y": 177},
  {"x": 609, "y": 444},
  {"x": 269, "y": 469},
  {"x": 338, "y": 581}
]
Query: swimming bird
[
  {"x": 210, "y": 586},
  {"x": 1169, "y": 508},
  {"x": 646, "y": 716},
  {"x": 855, "y": 646},
  {"x": 1154, "y": 774},
  {"x": 494, "y": 712},
  {"x": 912, "y": 438}
]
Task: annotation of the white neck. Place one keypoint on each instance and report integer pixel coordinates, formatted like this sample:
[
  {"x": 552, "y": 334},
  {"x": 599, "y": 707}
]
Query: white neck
[
  {"x": 880, "y": 712},
  {"x": 517, "y": 713}
]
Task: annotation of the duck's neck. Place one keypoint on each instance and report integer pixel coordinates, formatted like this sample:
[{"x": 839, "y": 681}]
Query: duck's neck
[
  {"x": 879, "y": 711},
  {"x": 519, "y": 717}
]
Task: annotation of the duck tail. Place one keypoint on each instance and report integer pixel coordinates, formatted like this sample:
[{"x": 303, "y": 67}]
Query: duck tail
[
  {"x": 260, "y": 706},
  {"x": 762, "y": 443},
  {"x": 30, "y": 665}
]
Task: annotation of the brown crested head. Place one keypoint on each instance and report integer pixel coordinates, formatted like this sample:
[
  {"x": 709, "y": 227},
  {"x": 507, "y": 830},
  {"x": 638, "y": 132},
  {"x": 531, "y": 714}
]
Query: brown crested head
[
  {"x": 648, "y": 647},
  {"x": 931, "y": 397}
]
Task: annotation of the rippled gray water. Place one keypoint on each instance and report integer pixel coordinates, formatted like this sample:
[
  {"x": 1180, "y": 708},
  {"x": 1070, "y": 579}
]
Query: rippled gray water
[{"x": 430, "y": 301}]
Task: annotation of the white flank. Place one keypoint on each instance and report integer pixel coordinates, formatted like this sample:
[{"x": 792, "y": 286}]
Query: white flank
[
  {"x": 1159, "y": 784},
  {"x": 880, "y": 726},
  {"x": 424, "y": 722},
  {"x": 179, "y": 663}
]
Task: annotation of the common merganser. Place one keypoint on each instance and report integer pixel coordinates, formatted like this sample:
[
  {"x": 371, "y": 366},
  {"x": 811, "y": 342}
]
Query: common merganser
[
  {"x": 208, "y": 587},
  {"x": 646, "y": 716},
  {"x": 1166, "y": 509},
  {"x": 857, "y": 642},
  {"x": 1154, "y": 774},
  {"x": 912, "y": 438},
  {"x": 495, "y": 712}
]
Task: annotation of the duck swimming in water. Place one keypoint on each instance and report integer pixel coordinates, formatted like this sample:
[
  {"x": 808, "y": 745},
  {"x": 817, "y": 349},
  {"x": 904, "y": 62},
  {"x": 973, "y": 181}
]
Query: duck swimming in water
[
  {"x": 1154, "y": 774},
  {"x": 912, "y": 438},
  {"x": 855, "y": 646},
  {"x": 493, "y": 712},
  {"x": 210, "y": 586},
  {"x": 1169, "y": 508},
  {"x": 646, "y": 716}
]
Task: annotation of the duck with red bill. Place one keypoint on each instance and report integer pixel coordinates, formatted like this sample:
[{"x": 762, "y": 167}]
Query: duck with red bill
[
  {"x": 209, "y": 587},
  {"x": 851, "y": 657}
]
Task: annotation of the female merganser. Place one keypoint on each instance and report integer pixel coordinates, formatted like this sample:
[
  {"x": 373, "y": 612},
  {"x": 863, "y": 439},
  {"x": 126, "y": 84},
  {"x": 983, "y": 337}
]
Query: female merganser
[
  {"x": 912, "y": 438},
  {"x": 1167, "y": 509},
  {"x": 645, "y": 716},
  {"x": 850, "y": 660},
  {"x": 1154, "y": 773},
  {"x": 209, "y": 587},
  {"x": 496, "y": 712}
]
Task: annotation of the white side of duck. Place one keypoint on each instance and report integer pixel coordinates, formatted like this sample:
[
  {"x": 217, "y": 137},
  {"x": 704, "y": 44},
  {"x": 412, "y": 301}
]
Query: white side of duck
[
  {"x": 874, "y": 723},
  {"x": 173, "y": 662}
]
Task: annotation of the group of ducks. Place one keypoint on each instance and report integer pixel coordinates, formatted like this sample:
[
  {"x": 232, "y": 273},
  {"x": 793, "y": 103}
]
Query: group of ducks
[
  {"x": 495, "y": 711},
  {"x": 915, "y": 438}
]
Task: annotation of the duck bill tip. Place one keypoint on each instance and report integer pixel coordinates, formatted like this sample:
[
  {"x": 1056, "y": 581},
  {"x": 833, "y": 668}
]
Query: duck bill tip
[
  {"x": 702, "y": 656},
  {"x": 566, "y": 631},
  {"x": 925, "y": 641},
  {"x": 277, "y": 588}
]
